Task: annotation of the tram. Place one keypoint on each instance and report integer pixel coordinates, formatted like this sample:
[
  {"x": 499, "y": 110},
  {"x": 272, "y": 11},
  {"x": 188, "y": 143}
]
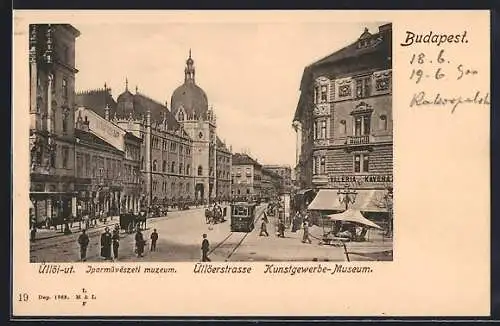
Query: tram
[{"x": 242, "y": 217}]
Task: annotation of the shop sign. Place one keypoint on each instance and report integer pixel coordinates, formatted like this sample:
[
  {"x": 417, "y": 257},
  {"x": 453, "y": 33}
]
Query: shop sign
[{"x": 364, "y": 179}]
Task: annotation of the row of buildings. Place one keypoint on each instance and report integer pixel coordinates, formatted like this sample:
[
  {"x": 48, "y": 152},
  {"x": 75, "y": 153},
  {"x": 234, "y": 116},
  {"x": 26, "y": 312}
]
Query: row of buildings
[
  {"x": 93, "y": 154},
  {"x": 344, "y": 127}
]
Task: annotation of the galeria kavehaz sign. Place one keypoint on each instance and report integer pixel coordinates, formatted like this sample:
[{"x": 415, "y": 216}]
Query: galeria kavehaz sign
[{"x": 361, "y": 179}]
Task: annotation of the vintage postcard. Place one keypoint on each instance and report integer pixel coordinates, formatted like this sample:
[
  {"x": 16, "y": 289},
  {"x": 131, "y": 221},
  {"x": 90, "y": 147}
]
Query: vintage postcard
[{"x": 251, "y": 163}]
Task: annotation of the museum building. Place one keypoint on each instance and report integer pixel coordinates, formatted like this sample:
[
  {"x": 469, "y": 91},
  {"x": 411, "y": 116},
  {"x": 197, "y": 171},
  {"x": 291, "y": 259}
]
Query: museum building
[{"x": 181, "y": 157}]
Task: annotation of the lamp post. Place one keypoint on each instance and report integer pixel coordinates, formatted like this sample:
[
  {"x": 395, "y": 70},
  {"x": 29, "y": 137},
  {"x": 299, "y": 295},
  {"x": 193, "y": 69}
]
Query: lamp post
[{"x": 349, "y": 195}]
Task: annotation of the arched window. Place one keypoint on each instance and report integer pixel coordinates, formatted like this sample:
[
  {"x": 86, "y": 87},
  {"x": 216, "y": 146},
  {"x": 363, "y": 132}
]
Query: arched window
[
  {"x": 164, "y": 166},
  {"x": 154, "y": 165},
  {"x": 172, "y": 167},
  {"x": 383, "y": 122},
  {"x": 200, "y": 170},
  {"x": 181, "y": 116}
]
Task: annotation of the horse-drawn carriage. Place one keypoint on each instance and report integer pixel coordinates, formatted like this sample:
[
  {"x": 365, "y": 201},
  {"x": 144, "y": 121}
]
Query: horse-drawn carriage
[
  {"x": 214, "y": 215},
  {"x": 130, "y": 222}
]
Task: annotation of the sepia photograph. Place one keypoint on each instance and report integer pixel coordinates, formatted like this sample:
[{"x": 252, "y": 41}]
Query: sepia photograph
[
  {"x": 149, "y": 143},
  {"x": 278, "y": 154}
]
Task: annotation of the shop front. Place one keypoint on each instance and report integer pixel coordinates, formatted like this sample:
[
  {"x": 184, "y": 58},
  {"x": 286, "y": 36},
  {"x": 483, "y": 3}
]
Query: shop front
[{"x": 372, "y": 195}]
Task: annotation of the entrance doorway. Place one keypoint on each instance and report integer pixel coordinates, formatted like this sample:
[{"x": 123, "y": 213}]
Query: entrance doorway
[{"x": 199, "y": 191}]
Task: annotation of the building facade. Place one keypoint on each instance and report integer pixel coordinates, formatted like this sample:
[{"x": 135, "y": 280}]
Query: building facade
[
  {"x": 108, "y": 162},
  {"x": 246, "y": 175},
  {"x": 285, "y": 173},
  {"x": 182, "y": 158},
  {"x": 52, "y": 104},
  {"x": 344, "y": 121},
  {"x": 272, "y": 184}
]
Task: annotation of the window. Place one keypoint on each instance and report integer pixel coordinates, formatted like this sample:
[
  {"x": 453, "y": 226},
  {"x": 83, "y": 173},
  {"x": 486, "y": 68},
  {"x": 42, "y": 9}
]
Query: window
[
  {"x": 362, "y": 125},
  {"x": 65, "y": 121},
  {"x": 164, "y": 166},
  {"x": 322, "y": 167},
  {"x": 324, "y": 91},
  {"x": 200, "y": 170},
  {"x": 363, "y": 87},
  {"x": 154, "y": 165},
  {"x": 65, "y": 157},
  {"x": 383, "y": 122},
  {"x": 187, "y": 187},
  {"x": 180, "y": 168},
  {"x": 361, "y": 163},
  {"x": 142, "y": 163},
  {"x": 65, "y": 88},
  {"x": 248, "y": 191},
  {"x": 181, "y": 116},
  {"x": 323, "y": 129},
  {"x": 172, "y": 167},
  {"x": 188, "y": 169},
  {"x": 358, "y": 122},
  {"x": 315, "y": 130}
]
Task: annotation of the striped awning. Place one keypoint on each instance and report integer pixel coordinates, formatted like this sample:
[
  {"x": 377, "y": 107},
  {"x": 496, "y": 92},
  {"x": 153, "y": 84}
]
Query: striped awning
[{"x": 365, "y": 201}]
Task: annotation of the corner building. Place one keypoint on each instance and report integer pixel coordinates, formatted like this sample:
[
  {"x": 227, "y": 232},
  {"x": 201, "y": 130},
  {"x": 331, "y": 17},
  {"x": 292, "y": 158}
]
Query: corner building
[
  {"x": 344, "y": 124},
  {"x": 52, "y": 109}
]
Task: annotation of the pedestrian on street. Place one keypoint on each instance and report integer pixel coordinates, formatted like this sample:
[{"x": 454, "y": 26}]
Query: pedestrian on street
[
  {"x": 281, "y": 228},
  {"x": 139, "y": 243},
  {"x": 116, "y": 241},
  {"x": 83, "y": 241},
  {"x": 263, "y": 229},
  {"x": 33, "y": 230},
  {"x": 106, "y": 244},
  {"x": 305, "y": 237},
  {"x": 154, "y": 238},
  {"x": 205, "y": 247}
]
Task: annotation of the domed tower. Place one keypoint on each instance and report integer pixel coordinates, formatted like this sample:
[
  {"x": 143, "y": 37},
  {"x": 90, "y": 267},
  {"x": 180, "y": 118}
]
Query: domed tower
[
  {"x": 125, "y": 103},
  {"x": 189, "y": 105}
]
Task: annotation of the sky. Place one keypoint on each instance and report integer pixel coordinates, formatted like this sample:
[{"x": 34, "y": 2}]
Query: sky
[{"x": 250, "y": 71}]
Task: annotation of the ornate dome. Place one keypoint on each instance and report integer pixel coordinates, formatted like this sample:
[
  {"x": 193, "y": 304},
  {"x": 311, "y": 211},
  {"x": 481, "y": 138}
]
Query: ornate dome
[
  {"x": 125, "y": 103},
  {"x": 189, "y": 97}
]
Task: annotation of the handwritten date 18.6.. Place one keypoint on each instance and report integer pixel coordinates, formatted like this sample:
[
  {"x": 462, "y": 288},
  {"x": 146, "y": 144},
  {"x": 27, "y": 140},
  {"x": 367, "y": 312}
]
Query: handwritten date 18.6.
[
  {"x": 418, "y": 74},
  {"x": 422, "y": 58}
]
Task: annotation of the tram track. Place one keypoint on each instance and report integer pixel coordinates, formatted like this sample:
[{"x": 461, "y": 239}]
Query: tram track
[{"x": 234, "y": 245}]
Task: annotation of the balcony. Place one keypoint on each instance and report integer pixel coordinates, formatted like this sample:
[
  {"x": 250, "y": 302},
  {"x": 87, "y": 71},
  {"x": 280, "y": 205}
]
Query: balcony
[{"x": 358, "y": 140}]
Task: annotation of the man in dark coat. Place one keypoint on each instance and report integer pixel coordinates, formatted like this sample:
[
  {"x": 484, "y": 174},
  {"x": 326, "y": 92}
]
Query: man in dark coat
[
  {"x": 106, "y": 244},
  {"x": 263, "y": 229},
  {"x": 116, "y": 241},
  {"x": 83, "y": 241},
  {"x": 154, "y": 238},
  {"x": 139, "y": 243},
  {"x": 205, "y": 247},
  {"x": 305, "y": 237}
]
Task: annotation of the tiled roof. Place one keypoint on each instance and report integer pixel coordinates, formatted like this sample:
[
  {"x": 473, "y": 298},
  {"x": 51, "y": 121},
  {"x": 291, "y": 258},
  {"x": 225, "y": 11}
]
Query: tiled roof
[
  {"x": 89, "y": 137},
  {"x": 158, "y": 111},
  {"x": 351, "y": 51},
  {"x": 221, "y": 144},
  {"x": 97, "y": 99},
  {"x": 244, "y": 159}
]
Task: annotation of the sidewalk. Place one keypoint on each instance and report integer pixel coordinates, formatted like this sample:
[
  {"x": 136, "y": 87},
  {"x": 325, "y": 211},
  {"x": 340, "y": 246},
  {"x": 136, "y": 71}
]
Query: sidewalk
[{"x": 42, "y": 234}]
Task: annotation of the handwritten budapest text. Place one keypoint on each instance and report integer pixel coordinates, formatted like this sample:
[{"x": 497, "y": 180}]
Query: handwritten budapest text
[{"x": 438, "y": 67}]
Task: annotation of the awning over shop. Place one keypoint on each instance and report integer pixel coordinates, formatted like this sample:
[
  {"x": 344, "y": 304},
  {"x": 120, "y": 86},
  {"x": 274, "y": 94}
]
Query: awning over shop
[
  {"x": 353, "y": 215},
  {"x": 303, "y": 191},
  {"x": 327, "y": 200},
  {"x": 370, "y": 201},
  {"x": 365, "y": 200},
  {"x": 40, "y": 195}
]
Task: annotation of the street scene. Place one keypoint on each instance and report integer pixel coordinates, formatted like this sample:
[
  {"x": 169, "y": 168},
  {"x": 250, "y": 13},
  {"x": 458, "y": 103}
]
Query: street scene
[{"x": 219, "y": 173}]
